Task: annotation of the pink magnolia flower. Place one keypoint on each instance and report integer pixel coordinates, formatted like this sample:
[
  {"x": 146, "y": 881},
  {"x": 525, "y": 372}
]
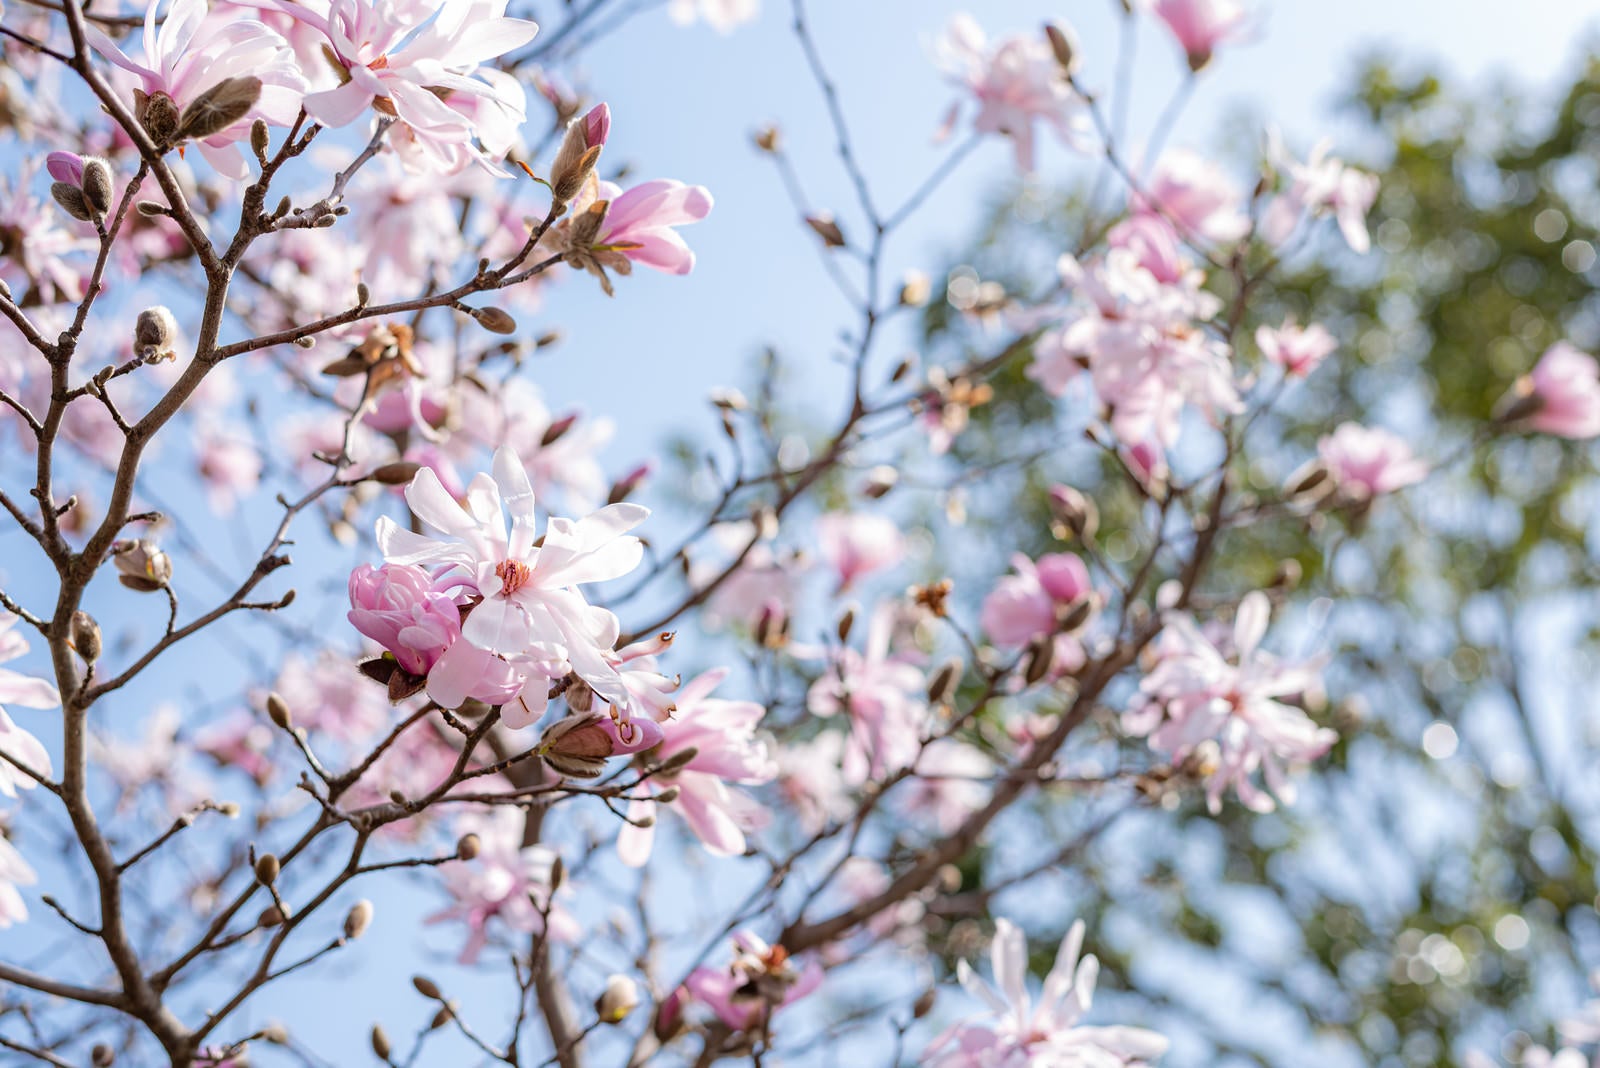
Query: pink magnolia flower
[
  {"x": 405, "y": 610},
  {"x": 561, "y": 452},
  {"x": 721, "y": 15},
  {"x": 14, "y": 872},
  {"x": 764, "y": 584},
  {"x": 1368, "y": 461},
  {"x": 1567, "y": 385},
  {"x": 65, "y": 167},
  {"x": 18, "y": 689},
  {"x": 1147, "y": 462},
  {"x": 506, "y": 883},
  {"x": 36, "y": 251},
  {"x": 1017, "y": 1033},
  {"x": 1017, "y": 83},
  {"x": 761, "y": 980},
  {"x": 811, "y": 780},
  {"x": 885, "y": 697},
  {"x": 1320, "y": 185},
  {"x": 398, "y": 53},
  {"x": 1201, "y": 25},
  {"x": 230, "y": 466},
  {"x": 1193, "y": 191},
  {"x": 242, "y": 741},
  {"x": 951, "y": 782},
  {"x": 722, "y": 733},
  {"x": 858, "y": 543},
  {"x": 191, "y": 51},
  {"x": 639, "y": 223},
  {"x": 1297, "y": 349},
  {"x": 531, "y": 608},
  {"x": 1029, "y": 604},
  {"x": 1196, "y": 694}
]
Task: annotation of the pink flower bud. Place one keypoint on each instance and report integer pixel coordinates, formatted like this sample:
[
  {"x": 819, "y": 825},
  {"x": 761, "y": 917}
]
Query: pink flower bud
[
  {"x": 597, "y": 125},
  {"x": 65, "y": 167},
  {"x": 1567, "y": 383},
  {"x": 1064, "y": 577},
  {"x": 396, "y": 606}
]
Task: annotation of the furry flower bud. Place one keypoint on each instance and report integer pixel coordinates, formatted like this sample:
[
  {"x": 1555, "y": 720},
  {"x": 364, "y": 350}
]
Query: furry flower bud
[
  {"x": 96, "y": 184},
  {"x": 154, "y": 333},
  {"x": 621, "y": 997},
  {"x": 357, "y": 919},
  {"x": 218, "y": 108},
  {"x": 141, "y": 565},
  {"x": 84, "y": 636}
]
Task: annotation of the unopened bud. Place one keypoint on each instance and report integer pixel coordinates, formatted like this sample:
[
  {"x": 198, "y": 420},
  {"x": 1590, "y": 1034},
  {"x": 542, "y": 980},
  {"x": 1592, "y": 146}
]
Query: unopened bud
[
  {"x": 847, "y": 623},
  {"x": 72, "y": 200},
  {"x": 151, "y": 209},
  {"x": 97, "y": 187},
  {"x": 555, "y": 430},
  {"x": 668, "y": 796},
  {"x": 679, "y": 759},
  {"x": 158, "y": 114},
  {"x": 1309, "y": 483},
  {"x": 84, "y": 636},
  {"x": 915, "y": 290},
  {"x": 155, "y": 332},
  {"x": 1041, "y": 657},
  {"x": 824, "y": 226},
  {"x": 267, "y": 868},
  {"x": 102, "y": 1056},
  {"x": 357, "y": 919},
  {"x": 495, "y": 320},
  {"x": 924, "y": 1003},
  {"x": 1075, "y": 511},
  {"x": 398, "y": 473},
  {"x": 141, "y": 565},
  {"x": 469, "y": 845},
  {"x": 278, "y": 710},
  {"x": 270, "y": 916},
  {"x": 260, "y": 139},
  {"x": 440, "y": 1018},
  {"x": 1076, "y": 615},
  {"x": 218, "y": 108},
  {"x": 621, "y": 997},
  {"x": 880, "y": 480},
  {"x": 380, "y": 1043},
  {"x": 427, "y": 987},
  {"x": 1062, "y": 46},
  {"x": 942, "y": 687},
  {"x": 768, "y": 139}
]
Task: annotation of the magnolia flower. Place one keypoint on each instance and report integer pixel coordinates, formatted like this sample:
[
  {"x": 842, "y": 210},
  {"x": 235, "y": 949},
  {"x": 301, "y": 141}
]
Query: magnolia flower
[
  {"x": 189, "y": 54},
  {"x": 722, "y": 733},
  {"x": 531, "y": 609},
  {"x": 1016, "y": 1033},
  {"x": 720, "y": 15},
  {"x": 858, "y": 543},
  {"x": 1201, "y": 25},
  {"x": 1197, "y": 694},
  {"x": 1295, "y": 348},
  {"x": 17, "y": 745},
  {"x": 1032, "y": 602},
  {"x": 405, "y": 610},
  {"x": 1367, "y": 461},
  {"x": 1017, "y": 83},
  {"x": 505, "y": 882},
  {"x": 811, "y": 780},
  {"x": 951, "y": 782},
  {"x": 632, "y": 227},
  {"x": 1565, "y": 384},
  {"x": 885, "y": 697},
  {"x": 35, "y": 249},
  {"x": 764, "y": 584},
  {"x": 14, "y": 872},
  {"x": 1319, "y": 185},
  {"x": 1194, "y": 192},
  {"x": 760, "y": 980},
  {"x": 417, "y": 62}
]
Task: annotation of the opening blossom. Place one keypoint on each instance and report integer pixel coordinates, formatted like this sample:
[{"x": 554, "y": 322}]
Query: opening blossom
[
  {"x": 1564, "y": 388},
  {"x": 858, "y": 543},
  {"x": 727, "y": 751},
  {"x": 1196, "y": 194},
  {"x": 506, "y": 882},
  {"x": 190, "y": 52},
  {"x": 1321, "y": 185},
  {"x": 1297, "y": 349},
  {"x": 1198, "y": 695},
  {"x": 1201, "y": 25},
  {"x": 1017, "y": 1033},
  {"x": 1017, "y": 83},
  {"x": 531, "y": 612},
  {"x": 637, "y": 227},
  {"x": 760, "y": 980},
  {"x": 1031, "y": 603},
  {"x": 1368, "y": 461}
]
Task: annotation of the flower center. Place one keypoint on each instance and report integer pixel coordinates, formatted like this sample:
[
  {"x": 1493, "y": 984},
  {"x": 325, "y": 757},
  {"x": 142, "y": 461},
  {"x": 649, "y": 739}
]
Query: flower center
[{"x": 513, "y": 575}]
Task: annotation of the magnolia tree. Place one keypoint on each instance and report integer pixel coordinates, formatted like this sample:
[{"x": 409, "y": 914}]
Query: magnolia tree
[{"x": 735, "y": 781}]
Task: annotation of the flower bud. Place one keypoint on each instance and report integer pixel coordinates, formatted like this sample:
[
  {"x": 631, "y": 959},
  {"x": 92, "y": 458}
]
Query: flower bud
[
  {"x": 621, "y": 997},
  {"x": 1075, "y": 511},
  {"x": 494, "y": 320},
  {"x": 668, "y": 796},
  {"x": 579, "y": 152},
  {"x": 915, "y": 289},
  {"x": 357, "y": 919},
  {"x": 218, "y": 108},
  {"x": 141, "y": 565},
  {"x": 278, "y": 710},
  {"x": 260, "y": 139},
  {"x": 1063, "y": 46},
  {"x": 847, "y": 623},
  {"x": 84, "y": 636},
  {"x": 267, "y": 868},
  {"x": 154, "y": 333},
  {"x": 65, "y": 167},
  {"x": 270, "y": 916},
  {"x": 679, "y": 760},
  {"x": 1041, "y": 657},
  {"x": 553, "y": 432},
  {"x": 96, "y": 185},
  {"x": 398, "y": 473},
  {"x": 158, "y": 114},
  {"x": 72, "y": 201},
  {"x": 824, "y": 226},
  {"x": 577, "y": 746},
  {"x": 469, "y": 845},
  {"x": 102, "y": 1056},
  {"x": 380, "y": 1043},
  {"x": 768, "y": 139},
  {"x": 427, "y": 987},
  {"x": 942, "y": 687}
]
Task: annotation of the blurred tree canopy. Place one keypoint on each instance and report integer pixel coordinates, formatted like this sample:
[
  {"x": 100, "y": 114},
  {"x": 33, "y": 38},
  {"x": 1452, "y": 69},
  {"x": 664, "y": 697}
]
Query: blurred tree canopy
[{"x": 1434, "y": 889}]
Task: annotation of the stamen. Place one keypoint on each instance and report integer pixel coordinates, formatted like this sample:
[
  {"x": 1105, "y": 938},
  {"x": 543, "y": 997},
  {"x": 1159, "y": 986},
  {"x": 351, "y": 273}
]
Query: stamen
[{"x": 513, "y": 575}]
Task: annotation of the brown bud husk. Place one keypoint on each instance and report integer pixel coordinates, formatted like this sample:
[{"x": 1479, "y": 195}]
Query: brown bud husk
[
  {"x": 577, "y": 746},
  {"x": 569, "y": 172},
  {"x": 267, "y": 868},
  {"x": 96, "y": 184},
  {"x": 380, "y": 1043},
  {"x": 102, "y": 1056},
  {"x": 155, "y": 332},
  {"x": 768, "y": 139},
  {"x": 824, "y": 226},
  {"x": 278, "y": 710},
  {"x": 158, "y": 114},
  {"x": 1075, "y": 511},
  {"x": 1041, "y": 657},
  {"x": 495, "y": 320},
  {"x": 469, "y": 845},
  {"x": 260, "y": 139},
  {"x": 357, "y": 919},
  {"x": 1062, "y": 47},
  {"x": 426, "y": 987},
  {"x": 219, "y": 108},
  {"x": 84, "y": 636},
  {"x": 271, "y": 916},
  {"x": 398, "y": 473},
  {"x": 942, "y": 687},
  {"x": 72, "y": 200}
]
